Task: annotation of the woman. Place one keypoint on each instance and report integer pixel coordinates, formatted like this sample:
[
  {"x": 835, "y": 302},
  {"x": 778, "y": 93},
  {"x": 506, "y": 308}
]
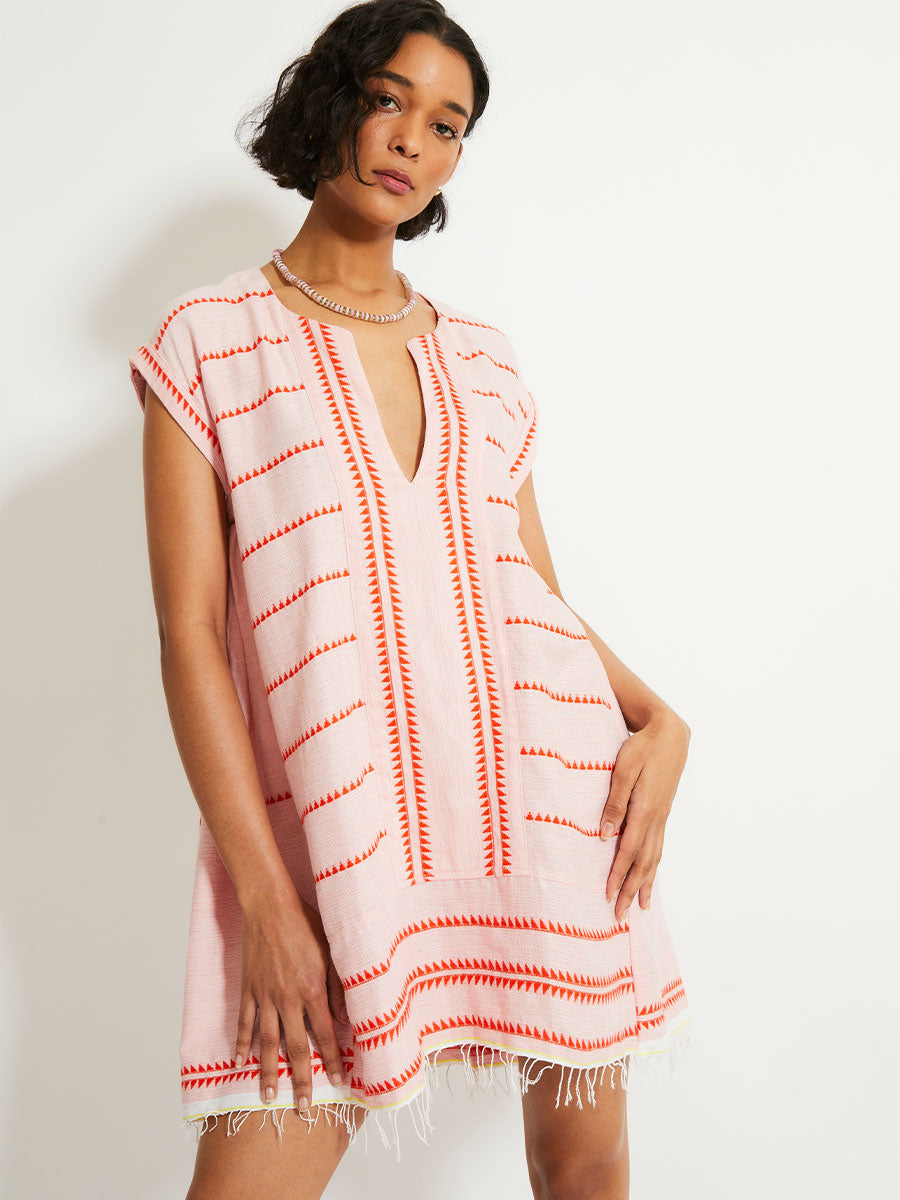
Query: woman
[{"x": 429, "y": 792}]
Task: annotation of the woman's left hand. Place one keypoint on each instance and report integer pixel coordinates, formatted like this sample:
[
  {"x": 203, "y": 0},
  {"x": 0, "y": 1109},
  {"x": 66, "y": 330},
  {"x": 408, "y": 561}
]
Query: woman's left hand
[{"x": 644, "y": 780}]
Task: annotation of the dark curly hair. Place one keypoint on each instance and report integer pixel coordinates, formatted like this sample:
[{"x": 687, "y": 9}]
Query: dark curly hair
[{"x": 297, "y": 130}]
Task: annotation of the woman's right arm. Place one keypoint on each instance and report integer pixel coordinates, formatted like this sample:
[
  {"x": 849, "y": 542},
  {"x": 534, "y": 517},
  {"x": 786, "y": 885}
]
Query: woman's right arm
[{"x": 286, "y": 963}]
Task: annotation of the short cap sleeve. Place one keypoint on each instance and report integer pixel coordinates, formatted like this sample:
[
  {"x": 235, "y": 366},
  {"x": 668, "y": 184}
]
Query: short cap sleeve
[
  {"x": 524, "y": 450},
  {"x": 170, "y": 363}
]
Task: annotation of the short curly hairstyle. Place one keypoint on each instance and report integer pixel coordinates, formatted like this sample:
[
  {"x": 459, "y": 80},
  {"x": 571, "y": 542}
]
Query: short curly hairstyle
[{"x": 297, "y": 131}]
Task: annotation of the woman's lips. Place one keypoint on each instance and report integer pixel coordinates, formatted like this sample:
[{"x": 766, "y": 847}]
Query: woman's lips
[{"x": 392, "y": 184}]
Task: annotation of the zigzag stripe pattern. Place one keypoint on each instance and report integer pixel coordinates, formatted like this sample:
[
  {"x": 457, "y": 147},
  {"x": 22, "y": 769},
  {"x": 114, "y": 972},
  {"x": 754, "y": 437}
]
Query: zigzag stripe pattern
[
  {"x": 195, "y": 300},
  {"x": 274, "y": 462},
  {"x": 502, "y": 365},
  {"x": 469, "y": 523},
  {"x": 327, "y": 577},
  {"x": 579, "y": 637},
  {"x": 400, "y": 643},
  {"x": 243, "y": 409},
  {"x": 279, "y": 797},
  {"x": 484, "y": 921},
  {"x": 526, "y": 446},
  {"x": 450, "y": 508},
  {"x": 565, "y": 698},
  {"x": 507, "y": 500},
  {"x": 346, "y": 790},
  {"x": 555, "y": 819},
  {"x": 581, "y": 989},
  {"x": 265, "y": 538},
  {"x": 170, "y": 386},
  {"x": 647, "y": 1017},
  {"x": 350, "y": 862},
  {"x": 432, "y": 726},
  {"x": 544, "y": 1036},
  {"x": 320, "y": 726},
  {"x": 307, "y": 659},
  {"x": 571, "y": 763},
  {"x": 374, "y": 586}
]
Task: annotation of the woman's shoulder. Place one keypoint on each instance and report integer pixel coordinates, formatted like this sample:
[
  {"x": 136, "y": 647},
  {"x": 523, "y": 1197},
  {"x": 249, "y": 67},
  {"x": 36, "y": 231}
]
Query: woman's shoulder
[
  {"x": 205, "y": 319},
  {"x": 482, "y": 334},
  {"x": 211, "y": 305},
  {"x": 477, "y": 328}
]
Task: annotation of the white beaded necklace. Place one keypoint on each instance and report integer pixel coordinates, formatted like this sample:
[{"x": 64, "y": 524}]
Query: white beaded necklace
[{"x": 344, "y": 309}]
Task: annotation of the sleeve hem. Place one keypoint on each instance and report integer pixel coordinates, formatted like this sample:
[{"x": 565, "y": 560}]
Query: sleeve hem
[
  {"x": 148, "y": 367},
  {"x": 525, "y": 451}
]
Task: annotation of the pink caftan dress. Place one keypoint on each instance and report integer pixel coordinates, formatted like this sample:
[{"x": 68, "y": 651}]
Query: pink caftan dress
[{"x": 433, "y": 729}]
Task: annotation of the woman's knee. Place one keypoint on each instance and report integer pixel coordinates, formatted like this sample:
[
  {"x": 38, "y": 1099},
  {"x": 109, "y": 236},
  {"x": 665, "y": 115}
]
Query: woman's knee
[
  {"x": 576, "y": 1151},
  {"x": 580, "y": 1175}
]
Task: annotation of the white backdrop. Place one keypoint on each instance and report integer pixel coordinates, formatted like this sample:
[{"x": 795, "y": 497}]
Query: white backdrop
[{"x": 707, "y": 194}]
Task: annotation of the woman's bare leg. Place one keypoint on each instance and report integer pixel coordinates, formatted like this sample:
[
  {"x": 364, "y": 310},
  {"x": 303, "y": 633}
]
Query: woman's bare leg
[
  {"x": 253, "y": 1162},
  {"x": 576, "y": 1153}
]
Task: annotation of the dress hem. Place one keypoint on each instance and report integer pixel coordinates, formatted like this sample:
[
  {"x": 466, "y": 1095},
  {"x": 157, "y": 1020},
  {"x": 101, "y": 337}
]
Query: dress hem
[{"x": 643, "y": 1063}]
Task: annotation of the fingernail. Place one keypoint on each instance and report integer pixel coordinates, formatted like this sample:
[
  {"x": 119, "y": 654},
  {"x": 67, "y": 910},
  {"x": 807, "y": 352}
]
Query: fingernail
[
  {"x": 337, "y": 1077},
  {"x": 239, "y": 1061},
  {"x": 270, "y": 1093},
  {"x": 607, "y": 829},
  {"x": 303, "y": 1102}
]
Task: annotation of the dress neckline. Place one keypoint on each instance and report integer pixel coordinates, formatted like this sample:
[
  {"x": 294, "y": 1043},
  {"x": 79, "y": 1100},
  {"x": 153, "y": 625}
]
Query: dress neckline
[
  {"x": 344, "y": 330},
  {"x": 343, "y": 339}
]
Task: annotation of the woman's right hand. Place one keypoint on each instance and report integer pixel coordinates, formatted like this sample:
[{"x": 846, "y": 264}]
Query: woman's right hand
[{"x": 287, "y": 974}]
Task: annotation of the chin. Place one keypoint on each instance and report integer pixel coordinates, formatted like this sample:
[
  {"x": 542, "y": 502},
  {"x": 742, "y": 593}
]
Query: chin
[{"x": 388, "y": 214}]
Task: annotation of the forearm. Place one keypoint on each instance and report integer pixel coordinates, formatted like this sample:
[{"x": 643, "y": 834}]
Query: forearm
[
  {"x": 640, "y": 705},
  {"x": 214, "y": 744}
]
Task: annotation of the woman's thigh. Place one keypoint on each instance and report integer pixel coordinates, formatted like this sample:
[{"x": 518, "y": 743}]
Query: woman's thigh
[
  {"x": 571, "y": 1150},
  {"x": 254, "y": 1162}
]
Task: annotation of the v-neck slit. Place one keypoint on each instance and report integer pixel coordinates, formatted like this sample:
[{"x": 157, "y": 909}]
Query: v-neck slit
[
  {"x": 363, "y": 391},
  {"x": 351, "y": 361}
]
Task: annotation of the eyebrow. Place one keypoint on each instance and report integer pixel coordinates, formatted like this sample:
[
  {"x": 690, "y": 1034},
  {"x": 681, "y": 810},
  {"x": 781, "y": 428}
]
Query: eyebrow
[{"x": 408, "y": 83}]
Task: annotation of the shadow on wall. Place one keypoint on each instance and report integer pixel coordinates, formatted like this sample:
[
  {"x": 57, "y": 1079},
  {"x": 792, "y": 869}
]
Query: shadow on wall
[{"x": 102, "y": 828}]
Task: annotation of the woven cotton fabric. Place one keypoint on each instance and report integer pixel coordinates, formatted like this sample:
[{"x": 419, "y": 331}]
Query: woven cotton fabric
[{"x": 433, "y": 729}]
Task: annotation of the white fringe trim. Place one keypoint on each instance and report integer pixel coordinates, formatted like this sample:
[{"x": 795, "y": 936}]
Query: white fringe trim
[{"x": 642, "y": 1064}]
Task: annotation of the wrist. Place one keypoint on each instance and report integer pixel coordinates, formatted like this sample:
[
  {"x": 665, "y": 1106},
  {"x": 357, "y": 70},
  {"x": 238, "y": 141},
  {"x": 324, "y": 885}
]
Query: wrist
[{"x": 264, "y": 894}]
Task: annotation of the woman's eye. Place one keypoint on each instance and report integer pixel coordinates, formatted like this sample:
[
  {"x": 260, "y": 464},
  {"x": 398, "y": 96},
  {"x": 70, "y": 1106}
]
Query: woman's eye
[{"x": 450, "y": 134}]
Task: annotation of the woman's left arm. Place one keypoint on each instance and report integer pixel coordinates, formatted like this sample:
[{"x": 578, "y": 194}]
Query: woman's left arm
[{"x": 649, "y": 764}]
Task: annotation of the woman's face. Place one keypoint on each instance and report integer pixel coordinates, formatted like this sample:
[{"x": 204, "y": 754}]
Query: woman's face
[{"x": 416, "y": 129}]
